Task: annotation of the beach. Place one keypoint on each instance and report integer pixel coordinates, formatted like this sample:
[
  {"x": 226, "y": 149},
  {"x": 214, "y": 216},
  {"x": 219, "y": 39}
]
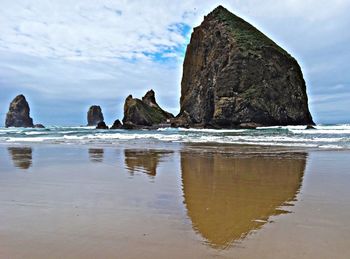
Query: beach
[{"x": 173, "y": 200}]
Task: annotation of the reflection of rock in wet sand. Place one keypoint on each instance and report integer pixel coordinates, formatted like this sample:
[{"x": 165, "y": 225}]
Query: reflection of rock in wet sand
[
  {"x": 21, "y": 156},
  {"x": 228, "y": 197},
  {"x": 145, "y": 161},
  {"x": 96, "y": 154}
]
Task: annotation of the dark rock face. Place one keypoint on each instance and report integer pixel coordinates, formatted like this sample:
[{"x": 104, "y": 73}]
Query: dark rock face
[
  {"x": 310, "y": 127},
  {"x": 144, "y": 113},
  {"x": 117, "y": 125},
  {"x": 94, "y": 115},
  {"x": 234, "y": 75},
  {"x": 39, "y": 126},
  {"x": 101, "y": 125},
  {"x": 18, "y": 114}
]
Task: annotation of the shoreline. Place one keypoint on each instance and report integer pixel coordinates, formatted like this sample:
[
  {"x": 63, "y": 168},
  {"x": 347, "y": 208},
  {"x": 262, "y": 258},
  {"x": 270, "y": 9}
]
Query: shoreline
[
  {"x": 324, "y": 137},
  {"x": 78, "y": 201}
]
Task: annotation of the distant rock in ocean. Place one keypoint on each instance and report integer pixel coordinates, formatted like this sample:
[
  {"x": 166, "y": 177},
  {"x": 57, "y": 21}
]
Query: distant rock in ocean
[
  {"x": 94, "y": 115},
  {"x": 18, "y": 114},
  {"x": 117, "y": 125},
  {"x": 235, "y": 76},
  {"x": 144, "y": 113},
  {"x": 39, "y": 126},
  {"x": 101, "y": 125}
]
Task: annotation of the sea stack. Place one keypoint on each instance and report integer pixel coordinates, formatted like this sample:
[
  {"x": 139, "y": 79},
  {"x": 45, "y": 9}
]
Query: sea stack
[
  {"x": 235, "y": 76},
  {"x": 117, "y": 125},
  {"x": 102, "y": 125},
  {"x": 144, "y": 113},
  {"x": 94, "y": 115},
  {"x": 19, "y": 113}
]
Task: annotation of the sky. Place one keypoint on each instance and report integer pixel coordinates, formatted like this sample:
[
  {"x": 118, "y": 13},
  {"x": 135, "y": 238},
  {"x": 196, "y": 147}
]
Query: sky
[{"x": 65, "y": 55}]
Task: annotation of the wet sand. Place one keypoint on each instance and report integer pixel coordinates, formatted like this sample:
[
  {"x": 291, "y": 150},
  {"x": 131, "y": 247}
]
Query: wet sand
[{"x": 176, "y": 201}]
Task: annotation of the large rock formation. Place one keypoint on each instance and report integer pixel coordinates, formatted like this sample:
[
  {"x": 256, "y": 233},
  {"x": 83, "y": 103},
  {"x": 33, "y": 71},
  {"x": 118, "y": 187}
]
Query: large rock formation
[
  {"x": 235, "y": 76},
  {"x": 144, "y": 113},
  {"x": 18, "y": 114},
  {"x": 94, "y": 115}
]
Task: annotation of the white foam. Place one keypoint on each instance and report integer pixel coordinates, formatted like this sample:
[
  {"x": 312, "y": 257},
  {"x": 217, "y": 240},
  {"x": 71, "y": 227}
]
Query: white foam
[
  {"x": 322, "y": 131},
  {"x": 34, "y": 133},
  {"x": 213, "y": 130},
  {"x": 33, "y": 139},
  {"x": 331, "y": 137}
]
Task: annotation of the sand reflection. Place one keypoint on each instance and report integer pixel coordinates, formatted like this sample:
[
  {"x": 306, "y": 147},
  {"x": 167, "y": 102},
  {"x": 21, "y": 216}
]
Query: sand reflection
[
  {"x": 21, "y": 156},
  {"x": 145, "y": 161},
  {"x": 96, "y": 155},
  {"x": 229, "y": 197}
]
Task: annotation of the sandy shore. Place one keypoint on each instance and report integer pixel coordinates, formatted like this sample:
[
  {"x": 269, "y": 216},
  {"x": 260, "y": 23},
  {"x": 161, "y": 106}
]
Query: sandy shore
[{"x": 175, "y": 201}]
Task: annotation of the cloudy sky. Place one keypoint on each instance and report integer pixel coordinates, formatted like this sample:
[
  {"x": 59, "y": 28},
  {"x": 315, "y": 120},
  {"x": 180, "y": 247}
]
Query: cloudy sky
[{"x": 66, "y": 55}]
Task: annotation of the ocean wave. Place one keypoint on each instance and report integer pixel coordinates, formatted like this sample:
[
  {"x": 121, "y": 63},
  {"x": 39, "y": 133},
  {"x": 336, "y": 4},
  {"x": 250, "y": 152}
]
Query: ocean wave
[{"x": 332, "y": 137}]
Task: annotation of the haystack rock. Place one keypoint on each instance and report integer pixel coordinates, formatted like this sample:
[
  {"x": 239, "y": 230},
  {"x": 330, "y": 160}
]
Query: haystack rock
[
  {"x": 144, "y": 113},
  {"x": 94, "y": 115},
  {"x": 235, "y": 76},
  {"x": 18, "y": 114}
]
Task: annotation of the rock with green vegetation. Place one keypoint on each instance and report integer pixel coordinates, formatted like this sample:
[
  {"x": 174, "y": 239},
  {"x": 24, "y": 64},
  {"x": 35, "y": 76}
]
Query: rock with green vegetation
[
  {"x": 235, "y": 76},
  {"x": 144, "y": 113}
]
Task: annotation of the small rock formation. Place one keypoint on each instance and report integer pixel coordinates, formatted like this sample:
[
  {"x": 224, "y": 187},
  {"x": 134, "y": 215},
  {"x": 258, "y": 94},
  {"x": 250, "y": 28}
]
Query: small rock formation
[
  {"x": 18, "y": 114},
  {"x": 39, "y": 126},
  {"x": 94, "y": 115},
  {"x": 101, "y": 125},
  {"x": 144, "y": 113},
  {"x": 117, "y": 125},
  {"x": 235, "y": 76},
  {"x": 310, "y": 127}
]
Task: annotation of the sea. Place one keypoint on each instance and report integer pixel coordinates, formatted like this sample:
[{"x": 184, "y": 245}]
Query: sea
[{"x": 322, "y": 137}]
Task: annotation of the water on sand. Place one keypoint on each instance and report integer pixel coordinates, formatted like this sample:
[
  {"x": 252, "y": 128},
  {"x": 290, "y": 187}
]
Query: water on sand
[{"x": 173, "y": 201}]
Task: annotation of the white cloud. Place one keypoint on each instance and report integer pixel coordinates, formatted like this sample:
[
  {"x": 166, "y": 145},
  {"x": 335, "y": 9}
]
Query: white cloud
[{"x": 101, "y": 50}]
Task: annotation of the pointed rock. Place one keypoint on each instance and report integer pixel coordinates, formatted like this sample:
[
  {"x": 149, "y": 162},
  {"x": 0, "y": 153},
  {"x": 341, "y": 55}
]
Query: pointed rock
[
  {"x": 19, "y": 113},
  {"x": 145, "y": 112},
  {"x": 94, "y": 115},
  {"x": 101, "y": 125},
  {"x": 234, "y": 75},
  {"x": 117, "y": 125}
]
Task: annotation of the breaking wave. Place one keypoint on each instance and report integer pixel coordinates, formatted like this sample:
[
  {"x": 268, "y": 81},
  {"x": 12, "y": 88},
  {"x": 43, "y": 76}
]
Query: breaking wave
[{"x": 323, "y": 136}]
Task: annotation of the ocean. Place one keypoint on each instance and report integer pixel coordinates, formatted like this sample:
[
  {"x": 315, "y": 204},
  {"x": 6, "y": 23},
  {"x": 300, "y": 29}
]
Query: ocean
[{"x": 323, "y": 136}]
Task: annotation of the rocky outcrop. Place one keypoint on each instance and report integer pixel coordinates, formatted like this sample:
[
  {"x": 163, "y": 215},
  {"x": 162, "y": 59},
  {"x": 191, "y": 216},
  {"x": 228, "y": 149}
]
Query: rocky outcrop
[
  {"x": 18, "y": 114},
  {"x": 310, "y": 127},
  {"x": 144, "y": 113},
  {"x": 39, "y": 126},
  {"x": 101, "y": 125},
  {"x": 94, "y": 115},
  {"x": 117, "y": 125},
  {"x": 235, "y": 76}
]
